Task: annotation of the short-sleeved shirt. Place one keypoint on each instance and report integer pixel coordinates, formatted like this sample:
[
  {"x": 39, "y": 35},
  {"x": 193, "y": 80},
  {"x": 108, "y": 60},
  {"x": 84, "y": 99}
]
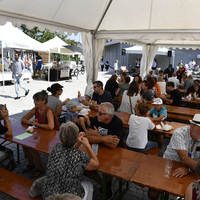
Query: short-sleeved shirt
[
  {"x": 70, "y": 116},
  {"x": 169, "y": 72},
  {"x": 188, "y": 83},
  {"x": 105, "y": 97},
  {"x": 191, "y": 90},
  {"x": 177, "y": 98},
  {"x": 39, "y": 59},
  {"x": 64, "y": 171},
  {"x": 123, "y": 87},
  {"x": 111, "y": 86},
  {"x": 3, "y": 129},
  {"x": 115, "y": 127},
  {"x": 155, "y": 114},
  {"x": 138, "y": 135},
  {"x": 181, "y": 140},
  {"x": 53, "y": 102},
  {"x": 148, "y": 95}
]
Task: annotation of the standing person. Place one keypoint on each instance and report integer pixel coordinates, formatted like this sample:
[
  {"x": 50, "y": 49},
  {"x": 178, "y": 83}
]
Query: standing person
[
  {"x": 107, "y": 65},
  {"x": 154, "y": 65},
  {"x": 18, "y": 71},
  {"x": 116, "y": 67},
  {"x": 102, "y": 65},
  {"x": 137, "y": 65},
  {"x": 192, "y": 64},
  {"x": 38, "y": 66},
  {"x": 30, "y": 66}
]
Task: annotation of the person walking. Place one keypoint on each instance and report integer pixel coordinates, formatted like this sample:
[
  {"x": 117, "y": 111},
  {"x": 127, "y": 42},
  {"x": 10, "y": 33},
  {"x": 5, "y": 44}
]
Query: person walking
[
  {"x": 18, "y": 71},
  {"x": 39, "y": 65}
]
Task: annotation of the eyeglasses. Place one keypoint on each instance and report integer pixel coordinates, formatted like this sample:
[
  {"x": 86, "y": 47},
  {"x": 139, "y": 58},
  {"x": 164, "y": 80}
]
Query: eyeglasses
[
  {"x": 95, "y": 87},
  {"x": 100, "y": 113}
]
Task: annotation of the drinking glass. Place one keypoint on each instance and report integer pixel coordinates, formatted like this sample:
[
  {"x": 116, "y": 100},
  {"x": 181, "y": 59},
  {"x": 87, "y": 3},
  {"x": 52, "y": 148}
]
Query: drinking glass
[
  {"x": 168, "y": 168},
  {"x": 35, "y": 127}
]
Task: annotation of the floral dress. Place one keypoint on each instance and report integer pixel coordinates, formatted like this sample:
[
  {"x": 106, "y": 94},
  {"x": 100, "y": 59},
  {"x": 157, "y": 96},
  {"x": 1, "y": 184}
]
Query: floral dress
[{"x": 196, "y": 190}]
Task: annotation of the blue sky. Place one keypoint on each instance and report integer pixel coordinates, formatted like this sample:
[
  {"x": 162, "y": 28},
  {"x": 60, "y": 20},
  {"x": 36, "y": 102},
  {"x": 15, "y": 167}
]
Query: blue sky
[{"x": 76, "y": 38}]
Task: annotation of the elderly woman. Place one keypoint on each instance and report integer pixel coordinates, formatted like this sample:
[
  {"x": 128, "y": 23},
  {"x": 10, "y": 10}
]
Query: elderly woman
[
  {"x": 44, "y": 118},
  {"x": 66, "y": 164}
]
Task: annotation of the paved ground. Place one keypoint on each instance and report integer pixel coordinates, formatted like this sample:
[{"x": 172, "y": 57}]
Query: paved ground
[{"x": 18, "y": 108}]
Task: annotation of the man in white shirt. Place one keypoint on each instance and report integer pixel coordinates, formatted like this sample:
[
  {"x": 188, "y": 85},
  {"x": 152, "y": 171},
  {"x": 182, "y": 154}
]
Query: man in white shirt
[
  {"x": 174, "y": 80},
  {"x": 192, "y": 64}
]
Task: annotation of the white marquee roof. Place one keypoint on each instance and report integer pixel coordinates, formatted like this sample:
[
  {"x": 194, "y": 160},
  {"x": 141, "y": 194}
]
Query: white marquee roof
[{"x": 171, "y": 23}]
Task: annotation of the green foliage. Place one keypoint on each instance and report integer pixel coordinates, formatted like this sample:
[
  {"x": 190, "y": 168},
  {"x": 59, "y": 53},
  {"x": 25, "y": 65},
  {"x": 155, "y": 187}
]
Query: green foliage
[{"x": 43, "y": 36}]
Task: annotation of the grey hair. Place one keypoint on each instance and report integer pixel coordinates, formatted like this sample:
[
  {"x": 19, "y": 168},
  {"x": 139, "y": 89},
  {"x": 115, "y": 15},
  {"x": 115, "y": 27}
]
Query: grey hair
[
  {"x": 68, "y": 134},
  {"x": 65, "y": 196},
  {"x": 1, "y": 107},
  {"x": 109, "y": 108}
]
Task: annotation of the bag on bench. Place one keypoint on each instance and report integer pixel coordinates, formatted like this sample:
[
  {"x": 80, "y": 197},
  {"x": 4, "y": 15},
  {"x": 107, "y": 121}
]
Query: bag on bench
[{"x": 6, "y": 158}]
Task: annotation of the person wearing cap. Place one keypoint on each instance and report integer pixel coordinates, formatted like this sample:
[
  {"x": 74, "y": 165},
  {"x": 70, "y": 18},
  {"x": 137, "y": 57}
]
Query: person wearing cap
[
  {"x": 73, "y": 116},
  {"x": 175, "y": 98},
  {"x": 169, "y": 71},
  {"x": 184, "y": 147},
  {"x": 53, "y": 100},
  {"x": 157, "y": 114}
]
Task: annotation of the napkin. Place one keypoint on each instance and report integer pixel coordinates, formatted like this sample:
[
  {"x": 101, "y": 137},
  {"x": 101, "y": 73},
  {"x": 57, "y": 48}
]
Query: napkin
[
  {"x": 165, "y": 127},
  {"x": 84, "y": 111},
  {"x": 30, "y": 129}
]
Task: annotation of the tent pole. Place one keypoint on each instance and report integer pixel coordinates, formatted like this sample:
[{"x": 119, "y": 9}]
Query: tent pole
[
  {"x": 2, "y": 65},
  {"x": 93, "y": 58},
  {"x": 49, "y": 67}
]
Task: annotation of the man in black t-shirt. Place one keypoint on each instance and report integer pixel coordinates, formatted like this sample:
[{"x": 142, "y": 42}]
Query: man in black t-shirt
[
  {"x": 194, "y": 88},
  {"x": 175, "y": 98},
  {"x": 106, "y": 127},
  {"x": 99, "y": 96},
  {"x": 7, "y": 130},
  {"x": 169, "y": 71}
]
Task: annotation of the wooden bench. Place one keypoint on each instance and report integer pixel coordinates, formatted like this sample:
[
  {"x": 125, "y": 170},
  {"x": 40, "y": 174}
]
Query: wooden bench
[
  {"x": 179, "y": 117},
  {"x": 15, "y": 186}
]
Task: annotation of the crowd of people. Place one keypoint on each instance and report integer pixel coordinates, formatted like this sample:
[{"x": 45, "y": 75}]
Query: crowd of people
[{"x": 67, "y": 164}]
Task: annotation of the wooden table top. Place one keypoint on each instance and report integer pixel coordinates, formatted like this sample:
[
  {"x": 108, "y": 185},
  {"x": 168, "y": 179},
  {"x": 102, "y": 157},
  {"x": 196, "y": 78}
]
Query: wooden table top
[
  {"x": 151, "y": 174},
  {"x": 43, "y": 140},
  {"x": 178, "y": 110},
  {"x": 120, "y": 163}
]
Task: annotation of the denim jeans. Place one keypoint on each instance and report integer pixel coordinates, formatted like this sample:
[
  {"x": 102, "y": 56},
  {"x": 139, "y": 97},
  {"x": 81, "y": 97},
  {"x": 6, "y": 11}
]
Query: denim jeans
[
  {"x": 18, "y": 80},
  {"x": 149, "y": 145}
]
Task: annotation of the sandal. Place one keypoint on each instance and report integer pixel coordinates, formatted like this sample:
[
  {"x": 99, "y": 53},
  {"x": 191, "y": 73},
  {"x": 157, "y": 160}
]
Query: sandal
[
  {"x": 36, "y": 173},
  {"x": 28, "y": 168}
]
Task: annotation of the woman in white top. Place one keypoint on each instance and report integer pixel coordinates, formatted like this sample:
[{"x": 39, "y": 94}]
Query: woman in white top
[
  {"x": 116, "y": 67},
  {"x": 162, "y": 85},
  {"x": 130, "y": 96}
]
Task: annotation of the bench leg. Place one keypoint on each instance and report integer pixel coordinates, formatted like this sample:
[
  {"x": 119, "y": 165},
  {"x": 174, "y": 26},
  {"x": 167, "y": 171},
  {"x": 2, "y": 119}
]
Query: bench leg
[{"x": 104, "y": 187}]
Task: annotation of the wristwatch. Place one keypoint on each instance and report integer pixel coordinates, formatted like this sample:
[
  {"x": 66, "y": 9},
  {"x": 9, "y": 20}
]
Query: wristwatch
[{"x": 190, "y": 170}]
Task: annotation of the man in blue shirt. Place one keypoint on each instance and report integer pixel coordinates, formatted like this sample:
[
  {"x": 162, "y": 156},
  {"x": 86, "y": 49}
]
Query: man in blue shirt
[
  {"x": 18, "y": 71},
  {"x": 39, "y": 65}
]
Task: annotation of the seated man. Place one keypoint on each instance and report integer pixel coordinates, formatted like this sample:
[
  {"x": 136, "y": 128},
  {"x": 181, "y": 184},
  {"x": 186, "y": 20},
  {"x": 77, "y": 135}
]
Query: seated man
[
  {"x": 188, "y": 82},
  {"x": 98, "y": 96},
  {"x": 139, "y": 125},
  {"x": 151, "y": 74},
  {"x": 194, "y": 88},
  {"x": 183, "y": 147},
  {"x": 146, "y": 93},
  {"x": 169, "y": 71},
  {"x": 6, "y": 129},
  {"x": 174, "y": 80},
  {"x": 157, "y": 114},
  {"x": 175, "y": 98},
  {"x": 108, "y": 129}
]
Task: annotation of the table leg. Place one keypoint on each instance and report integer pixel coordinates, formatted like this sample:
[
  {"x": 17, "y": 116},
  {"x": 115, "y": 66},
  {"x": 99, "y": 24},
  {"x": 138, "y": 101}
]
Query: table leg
[
  {"x": 104, "y": 187},
  {"x": 18, "y": 156}
]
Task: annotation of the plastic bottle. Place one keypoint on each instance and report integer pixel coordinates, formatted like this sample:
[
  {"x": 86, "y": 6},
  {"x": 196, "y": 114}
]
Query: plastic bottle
[
  {"x": 195, "y": 95},
  {"x": 190, "y": 96}
]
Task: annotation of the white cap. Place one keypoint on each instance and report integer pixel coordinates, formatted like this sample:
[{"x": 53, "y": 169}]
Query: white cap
[{"x": 158, "y": 101}]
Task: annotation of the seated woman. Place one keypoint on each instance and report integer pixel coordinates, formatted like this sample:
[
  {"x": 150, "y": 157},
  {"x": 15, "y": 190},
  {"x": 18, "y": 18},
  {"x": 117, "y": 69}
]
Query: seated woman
[
  {"x": 130, "y": 98},
  {"x": 193, "y": 188},
  {"x": 112, "y": 85},
  {"x": 138, "y": 80},
  {"x": 66, "y": 165},
  {"x": 162, "y": 85},
  {"x": 157, "y": 86},
  {"x": 6, "y": 129},
  {"x": 44, "y": 118},
  {"x": 53, "y": 100},
  {"x": 151, "y": 86}
]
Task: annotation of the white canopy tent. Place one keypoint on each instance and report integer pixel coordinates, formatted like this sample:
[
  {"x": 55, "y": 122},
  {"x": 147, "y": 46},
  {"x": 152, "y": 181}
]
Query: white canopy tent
[{"x": 149, "y": 23}]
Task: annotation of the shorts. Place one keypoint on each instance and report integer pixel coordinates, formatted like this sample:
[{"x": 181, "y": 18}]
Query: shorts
[
  {"x": 38, "y": 68},
  {"x": 137, "y": 66},
  {"x": 153, "y": 68}
]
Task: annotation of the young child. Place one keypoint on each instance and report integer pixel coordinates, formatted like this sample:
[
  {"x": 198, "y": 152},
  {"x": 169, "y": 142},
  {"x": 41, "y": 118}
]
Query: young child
[
  {"x": 157, "y": 114},
  {"x": 139, "y": 125},
  {"x": 72, "y": 115}
]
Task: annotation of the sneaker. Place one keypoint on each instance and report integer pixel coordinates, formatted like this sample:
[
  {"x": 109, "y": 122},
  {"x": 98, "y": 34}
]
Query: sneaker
[
  {"x": 26, "y": 93},
  {"x": 16, "y": 98}
]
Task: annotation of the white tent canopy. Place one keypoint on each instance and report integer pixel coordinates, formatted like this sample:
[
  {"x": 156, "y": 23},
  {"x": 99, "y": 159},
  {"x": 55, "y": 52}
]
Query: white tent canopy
[
  {"x": 56, "y": 45},
  {"x": 172, "y": 23}
]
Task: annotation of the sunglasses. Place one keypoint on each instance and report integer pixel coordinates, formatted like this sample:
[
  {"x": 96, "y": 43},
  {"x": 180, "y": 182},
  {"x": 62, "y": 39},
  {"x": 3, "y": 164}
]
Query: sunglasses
[
  {"x": 100, "y": 113},
  {"x": 196, "y": 83},
  {"x": 95, "y": 87}
]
